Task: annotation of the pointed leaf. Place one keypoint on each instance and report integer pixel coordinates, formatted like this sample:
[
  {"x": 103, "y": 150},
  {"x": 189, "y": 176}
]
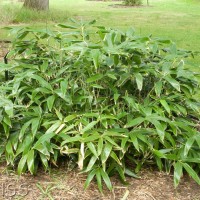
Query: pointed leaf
[
  {"x": 135, "y": 122},
  {"x": 188, "y": 145},
  {"x": 139, "y": 81},
  {"x": 191, "y": 172},
  {"x": 94, "y": 78},
  {"x": 106, "y": 179},
  {"x": 165, "y": 105},
  {"x": 178, "y": 172},
  {"x": 21, "y": 165},
  {"x": 173, "y": 82},
  {"x": 89, "y": 178},
  {"x": 89, "y": 126},
  {"x": 92, "y": 149},
  {"x": 50, "y": 102},
  {"x": 30, "y": 161},
  {"x": 106, "y": 152}
]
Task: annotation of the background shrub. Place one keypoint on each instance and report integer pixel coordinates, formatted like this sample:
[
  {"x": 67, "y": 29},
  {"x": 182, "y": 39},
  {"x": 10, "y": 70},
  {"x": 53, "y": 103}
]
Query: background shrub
[
  {"x": 133, "y": 2},
  {"x": 103, "y": 98}
]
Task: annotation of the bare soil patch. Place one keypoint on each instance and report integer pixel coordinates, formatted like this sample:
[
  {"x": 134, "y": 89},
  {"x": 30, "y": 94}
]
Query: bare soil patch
[
  {"x": 68, "y": 185},
  {"x": 3, "y": 49}
]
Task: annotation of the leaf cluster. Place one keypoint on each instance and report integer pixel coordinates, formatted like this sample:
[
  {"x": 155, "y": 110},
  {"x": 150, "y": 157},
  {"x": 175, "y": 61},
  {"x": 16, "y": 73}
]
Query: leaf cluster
[{"x": 108, "y": 100}]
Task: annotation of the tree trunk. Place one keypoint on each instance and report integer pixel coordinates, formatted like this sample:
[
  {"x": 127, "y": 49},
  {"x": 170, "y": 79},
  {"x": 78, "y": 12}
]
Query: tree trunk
[{"x": 37, "y": 4}]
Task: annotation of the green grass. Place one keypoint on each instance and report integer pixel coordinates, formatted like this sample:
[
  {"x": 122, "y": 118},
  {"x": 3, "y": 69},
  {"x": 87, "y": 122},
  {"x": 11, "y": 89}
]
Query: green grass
[{"x": 174, "y": 19}]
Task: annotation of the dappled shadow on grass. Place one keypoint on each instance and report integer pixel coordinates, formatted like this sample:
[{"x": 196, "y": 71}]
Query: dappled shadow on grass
[
  {"x": 122, "y": 5},
  {"x": 126, "y": 6}
]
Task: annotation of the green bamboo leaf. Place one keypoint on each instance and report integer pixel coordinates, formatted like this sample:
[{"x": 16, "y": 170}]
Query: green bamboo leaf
[
  {"x": 7, "y": 120},
  {"x": 99, "y": 182},
  {"x": 30, "y": 161},
  {"x": 23, "y": 129},
  {"x": 173, "y": 49},
  {"x": 91, "y": 138},
  {"x": 106, "y": 152},
  {"x": 192, "y": 160},
  {"x": 191, "y": 172},
  {"x": 116, "y": 97},
  {"x": 94, "y": 78},
  {"x": 89, "y": 126},
  {"x": 106, "y": 179},
  {"x": 91, "y": 164},
  {"x": 159, "y": 163},
  {"x": 181, "y": 109},
  {"x": 158, "y": 88},
  {"x": 72, "y": 139},
  {"x": 35, "y": 125},
  {"x": 173, "y": 82},
  {"x": 124, "y": 144},
  {"x": 92, "y": 149},
  {"x": 114, "y": 133},
  {"x": 165, "y": 105},
  {"x": 111, "y": 141},
  {"x": 22, "y": 35},
  {"x": 139, "y": 81},
  {"x": 22, "y": 164},
  {"x": 114, "y": 156},
  {"x": 178, "y": 172},
  {"x": 25, "y": 145},
  {"x": 96, "y": 86},
  {"x": 53, "y": 127},
  {"x": 43, "y": 82},
  {"x": 159, "y": 128},
  {"x": 131, "y": 102},
  {"x": 44, "y": 66},
  {"x": 197, "y": 138},
  {"x": 64, "y": 86},
  {"x": 70, "y": 117},
  {"x": 112, "y": 76},
  {"x": 44, "y": 161},
  {"x": 188, "y": 145},
  {"x": 100, "y": 146},
  {"x": 95, "y": 56},
  {"x": 50, "y": 102},
  {"x": 44, "y": 138},
  {"x": 158, "y": 153},
  {"x": 121, "y": 172},
  {"x": 135, "y": 122},
  {"x": 9, "y": 148},
  {"x": 67, "y": 26},
  {"x": 42, "y": 149},
  {"x": 89, "y": 178},
  {"x": 134, "y": 140},
  {"x": 123, "y": 79},
  {"x": 59, "y": 114},
  {"x": 9, "y": 109},
  {"x": 130, "y": 173}
]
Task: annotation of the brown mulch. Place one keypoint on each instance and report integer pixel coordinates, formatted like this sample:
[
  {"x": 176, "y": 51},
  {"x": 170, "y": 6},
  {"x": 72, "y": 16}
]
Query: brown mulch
[{"x": 68, "y": 185}]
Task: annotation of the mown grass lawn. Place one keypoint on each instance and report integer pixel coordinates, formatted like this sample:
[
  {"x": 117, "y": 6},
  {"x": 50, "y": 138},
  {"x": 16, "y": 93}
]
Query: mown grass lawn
[{"x": 175, "y": 19}]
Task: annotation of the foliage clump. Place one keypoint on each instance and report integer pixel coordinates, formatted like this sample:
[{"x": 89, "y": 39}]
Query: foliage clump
[
  {"x": 133, "y": 2},
  {"x": 101, "y": 97}
]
